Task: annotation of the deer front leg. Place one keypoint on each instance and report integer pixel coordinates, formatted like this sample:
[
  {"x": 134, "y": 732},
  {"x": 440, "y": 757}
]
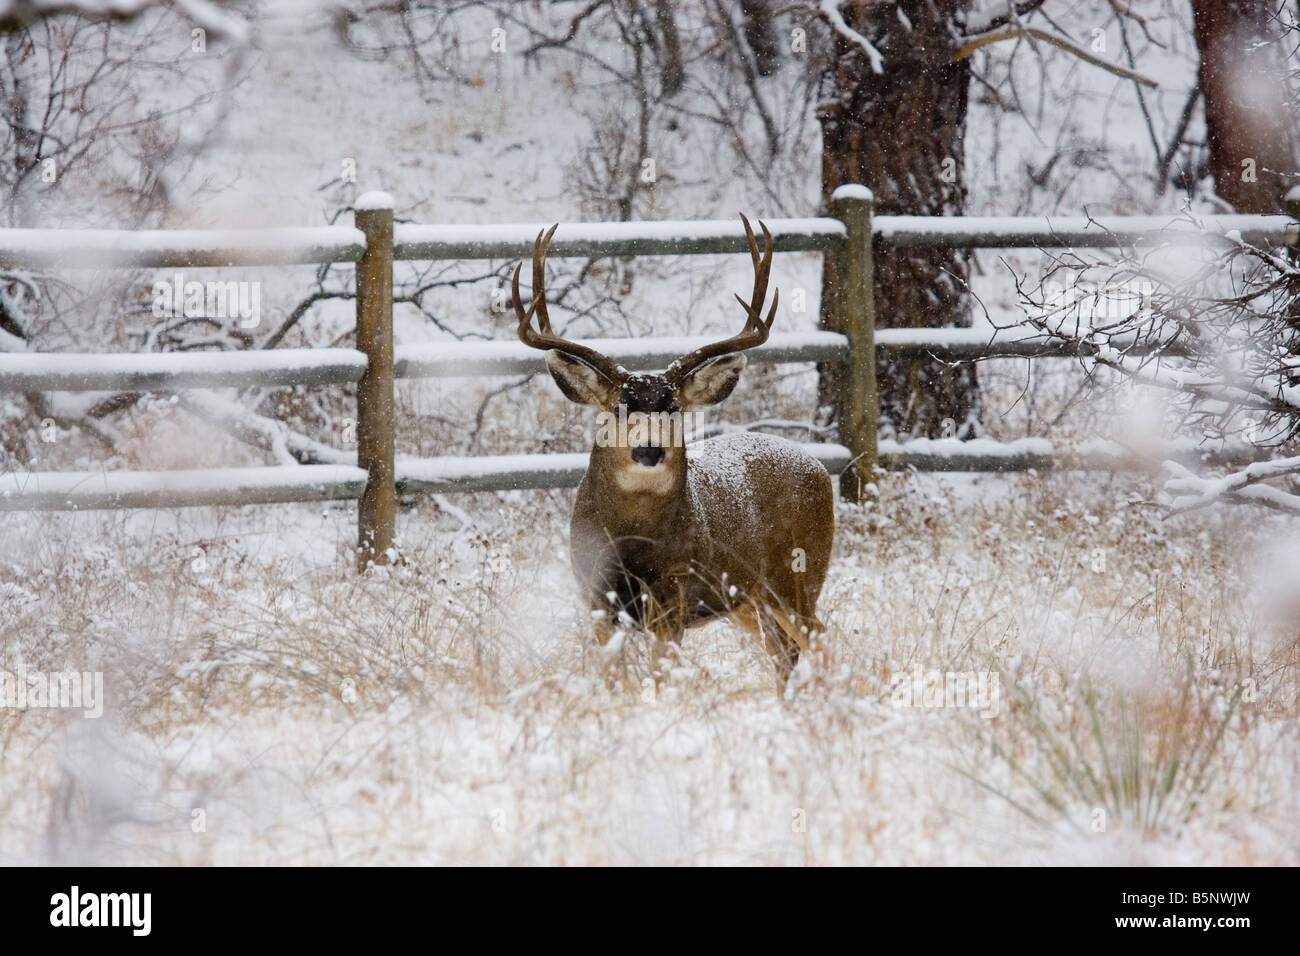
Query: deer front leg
[
  {"x": 666, "y": 625},
  {"x": 781, "y": 646},
  {"x": 783, "y": 635},
  {"x": 603, "y": 624},
  {"x": 663, "y": 655},
  {"x": 610, "y": 625}
]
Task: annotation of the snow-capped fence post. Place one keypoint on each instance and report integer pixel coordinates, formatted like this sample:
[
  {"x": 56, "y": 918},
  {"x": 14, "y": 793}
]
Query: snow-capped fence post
[
  {"x": 858, "y": 405},
  {"x": 377, "y": 511}
]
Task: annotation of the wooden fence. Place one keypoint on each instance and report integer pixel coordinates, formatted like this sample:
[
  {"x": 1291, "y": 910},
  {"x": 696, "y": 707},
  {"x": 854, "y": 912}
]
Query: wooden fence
[{"x": 374, "y": 242}]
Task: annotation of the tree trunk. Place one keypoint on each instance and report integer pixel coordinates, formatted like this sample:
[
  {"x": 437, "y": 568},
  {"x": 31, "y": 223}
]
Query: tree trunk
[
  {"x": 1249, "y": 113},
  {"x": 761, "y": 35},
  {"x": 901, "y": 134}
]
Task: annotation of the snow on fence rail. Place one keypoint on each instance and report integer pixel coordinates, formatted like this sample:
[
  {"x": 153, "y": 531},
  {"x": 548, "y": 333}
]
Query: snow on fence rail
[
  {"x": 170, "y": 371},
  {"x": 82, "y": 491},
  {"x": 1056, "y": 232},
  {"x": 163, "y": 371},
  {"x": 203, "y": 248},
  {"x": 375, "y": 241},
  {"x": 177, "y": 248}
]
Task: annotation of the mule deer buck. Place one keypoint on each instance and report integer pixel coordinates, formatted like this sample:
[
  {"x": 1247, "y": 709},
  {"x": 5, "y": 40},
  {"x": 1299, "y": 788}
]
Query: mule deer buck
[{"x": 665, "y": 540}]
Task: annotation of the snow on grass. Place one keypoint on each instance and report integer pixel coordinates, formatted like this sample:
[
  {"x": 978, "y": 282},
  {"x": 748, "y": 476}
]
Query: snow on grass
[{"x": 451, "y": 710}]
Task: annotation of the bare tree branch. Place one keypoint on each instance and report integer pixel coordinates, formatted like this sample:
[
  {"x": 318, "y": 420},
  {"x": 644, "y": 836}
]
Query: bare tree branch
[{"x": 973, "y": 43}]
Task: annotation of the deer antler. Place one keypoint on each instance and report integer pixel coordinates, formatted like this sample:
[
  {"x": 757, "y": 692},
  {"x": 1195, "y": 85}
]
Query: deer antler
[
  {"x": 543, "y": 338},
  {"x": 756, "y": 327}
]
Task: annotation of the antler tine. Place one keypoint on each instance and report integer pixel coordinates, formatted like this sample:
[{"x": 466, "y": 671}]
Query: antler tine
[
  {"x": 753, "y": 243},
  {"x": 756, "y": 327},
  {"x": 525, "y": 318},
  {"x": 540, "y": 245},
  {"x": 543, "y": 338},
  {"x": 762, "y": 268}
]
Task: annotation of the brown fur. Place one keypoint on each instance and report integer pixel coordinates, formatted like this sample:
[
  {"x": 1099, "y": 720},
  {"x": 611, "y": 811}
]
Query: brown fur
[{"x": 672, "y": 560}]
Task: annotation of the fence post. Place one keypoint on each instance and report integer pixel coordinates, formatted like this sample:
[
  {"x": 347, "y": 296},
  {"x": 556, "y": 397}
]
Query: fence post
[
  {"x": 377, "y": 511},
  {"x": 855, "y": 300}
]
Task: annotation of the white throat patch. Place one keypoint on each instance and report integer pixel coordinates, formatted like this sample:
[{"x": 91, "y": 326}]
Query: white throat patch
[{"x": 655, "y": 480}]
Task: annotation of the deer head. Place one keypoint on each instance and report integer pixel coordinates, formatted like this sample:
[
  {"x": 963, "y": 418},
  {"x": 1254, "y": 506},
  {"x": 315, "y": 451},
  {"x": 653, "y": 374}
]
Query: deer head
[{"x": 650, "y": 461}]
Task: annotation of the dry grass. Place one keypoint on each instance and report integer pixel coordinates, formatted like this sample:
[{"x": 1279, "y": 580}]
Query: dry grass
[{"x": 448, "y": 710}]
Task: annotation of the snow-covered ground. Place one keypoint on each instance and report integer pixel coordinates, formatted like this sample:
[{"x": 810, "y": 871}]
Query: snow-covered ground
[{"x": 263, "y": 704}]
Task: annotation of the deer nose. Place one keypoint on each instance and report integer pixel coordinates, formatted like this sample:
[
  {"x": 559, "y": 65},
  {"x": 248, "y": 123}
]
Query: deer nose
[{"x": 648, "y": 455}]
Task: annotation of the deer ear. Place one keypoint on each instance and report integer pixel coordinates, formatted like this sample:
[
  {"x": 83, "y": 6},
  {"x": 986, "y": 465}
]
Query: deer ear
[
  {"x": 711, "y": 382},
  {"x": 579, "y": 381}
]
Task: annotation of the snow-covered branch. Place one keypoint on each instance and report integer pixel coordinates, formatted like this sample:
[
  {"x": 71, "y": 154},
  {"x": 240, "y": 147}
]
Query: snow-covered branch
[
  {"x": 17, "y": 14},
  {"x": 1189, "y": 491},
  {"x": 1000, "y": 14},
  {"x": 1222, "y": 326},
  {"x": 829, "y": 10},
  {"x": 1237, "y": 393},
  {"x": 286, "y": 446}
]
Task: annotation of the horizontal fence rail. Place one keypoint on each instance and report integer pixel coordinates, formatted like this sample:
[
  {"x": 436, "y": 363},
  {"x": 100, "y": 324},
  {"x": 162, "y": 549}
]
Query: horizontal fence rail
[
  {"x": 165, "y": 371},
  {"x": 88, "y": 491},
  {"x": 217, "y": 248},
  {"x": 177, "y": 248},
  {"x": 954, "y": 345},
  {"x": 436, "y": 360},
  {"x": 169, "y": 371},
  {"x": 661, "y": 238},
  {"x": 514, "y": 241},
  {"x": 1052, "y": 232}
]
